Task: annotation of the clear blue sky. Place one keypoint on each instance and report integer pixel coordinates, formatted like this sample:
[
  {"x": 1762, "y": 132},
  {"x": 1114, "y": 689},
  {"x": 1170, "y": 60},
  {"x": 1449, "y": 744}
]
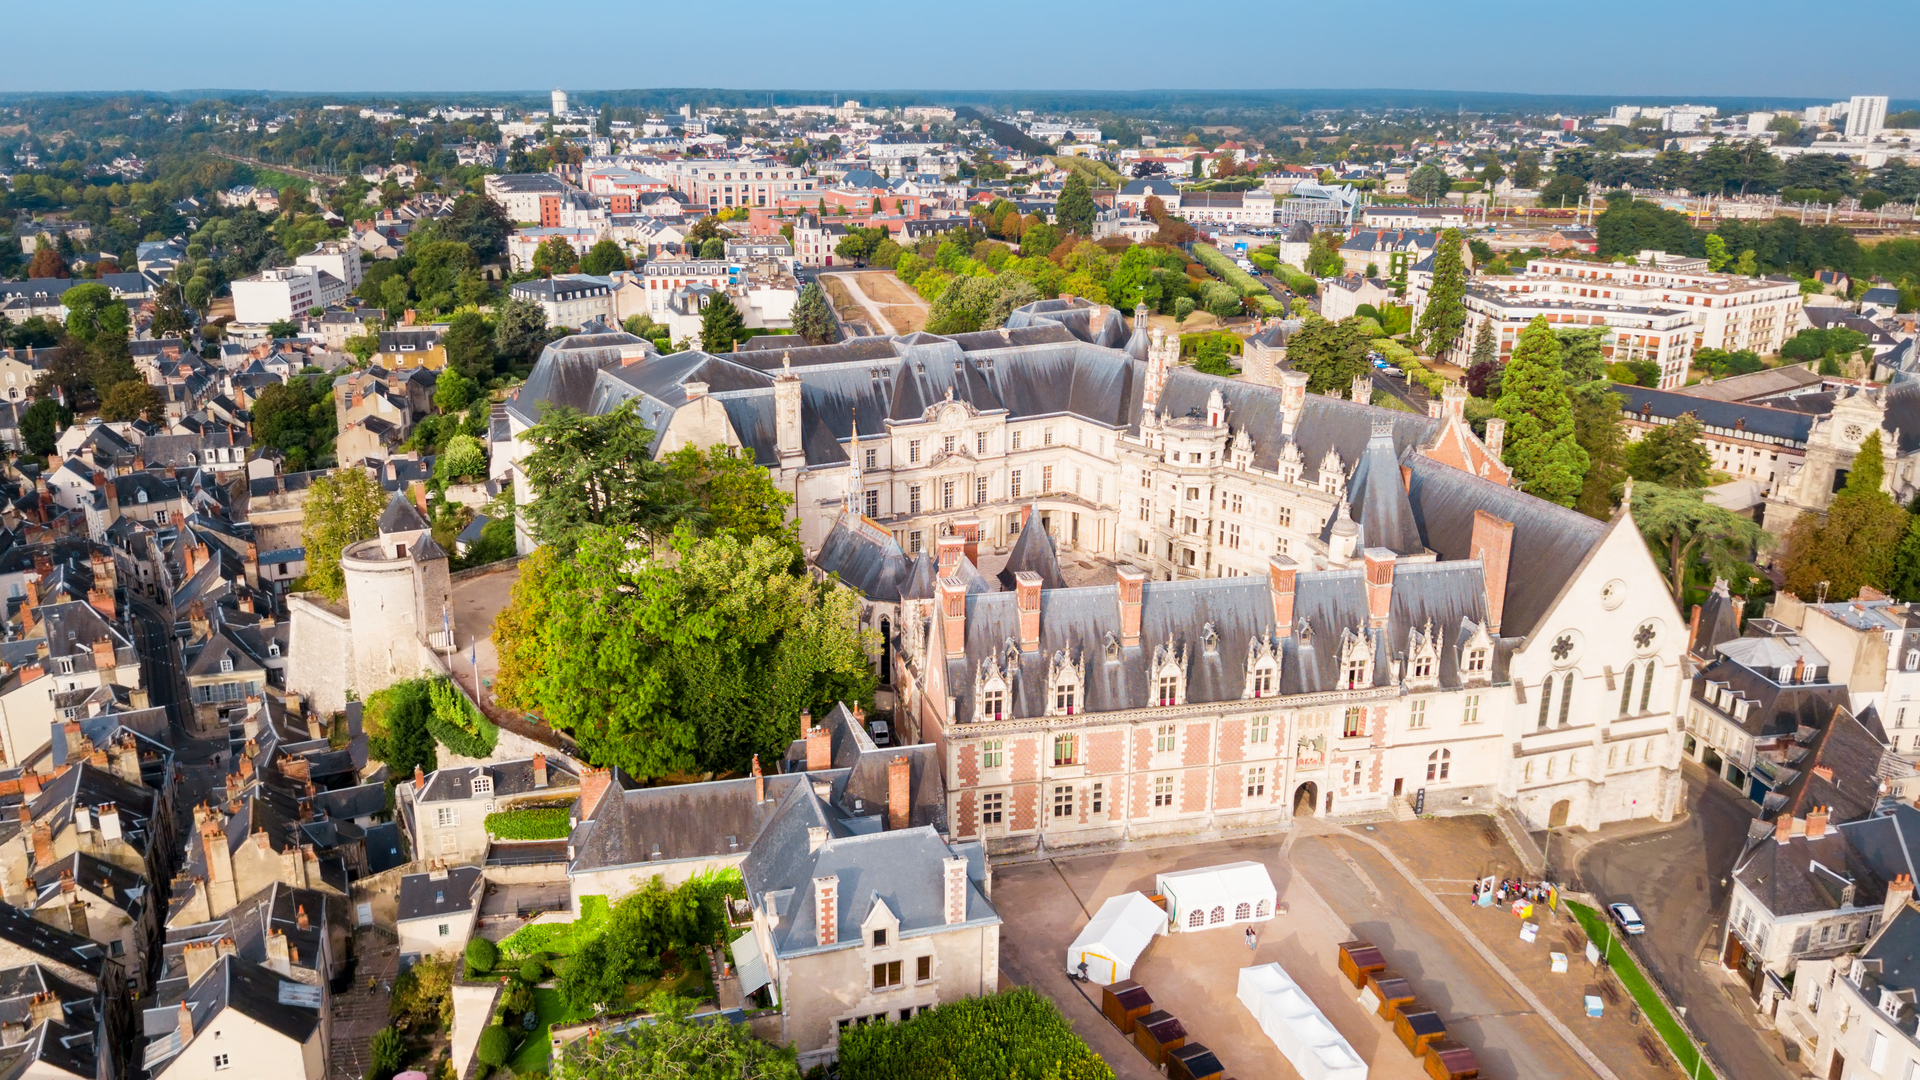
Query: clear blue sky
[{"x": 1622, "y": 49}]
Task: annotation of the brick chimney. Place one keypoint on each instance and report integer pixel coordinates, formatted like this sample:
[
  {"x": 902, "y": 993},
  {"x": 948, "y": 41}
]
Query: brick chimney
[
  {"x": 759, "y": 781},
  {"x": 1496, "y": 439},
  {"x": 969, "y": 530},
  {"x": 953, "y": 614},
  {"x": 954, "y": 889},
  {"x": 186, "y": 1024},
  {"x": 42, "y": 844},
  {"x": 899, "y": 791},
  {"x": 1026, "y": 587},
  {"x": 826, "y": 909},
  {"x": 221, "y": 890},
  {"x": 951, "y": 549},
  {"x": 539, "y": 770},
  {"x": 278, "y": 956},
  {"x": 1281, "y": 571},
  {"x": 103, "y": 653},
  {"x": 819, "y": 748},
  {"x": 46, "y": 1008},
  {"x": 300, "y": 918},
  {"x": 593, "y": 785},
  {"x": 806, "y": 722},
  {"x": 1132, "y": 583},
  {"x": 419, "y": 777},
  {"x": 1816, "y": 823},
  {"x": 1379, "y": 585},
  {"x": 1492, "y": 544},
  {"x": 109, "y": 823}
]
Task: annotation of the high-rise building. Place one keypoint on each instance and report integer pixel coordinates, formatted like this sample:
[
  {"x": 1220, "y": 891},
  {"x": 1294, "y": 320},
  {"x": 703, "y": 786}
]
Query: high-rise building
[
  {"x": 1865, "y": 116},
  {"x": 559, "y": 103}
]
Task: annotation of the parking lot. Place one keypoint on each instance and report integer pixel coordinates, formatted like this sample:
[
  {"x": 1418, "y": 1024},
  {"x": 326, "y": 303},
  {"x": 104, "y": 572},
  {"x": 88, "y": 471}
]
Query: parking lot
[{"x": 1331, "y": 890}]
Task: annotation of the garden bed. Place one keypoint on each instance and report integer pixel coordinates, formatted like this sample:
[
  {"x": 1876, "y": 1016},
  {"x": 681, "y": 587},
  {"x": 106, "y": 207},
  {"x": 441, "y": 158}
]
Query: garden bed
[{"x": 1600, "y": 932}]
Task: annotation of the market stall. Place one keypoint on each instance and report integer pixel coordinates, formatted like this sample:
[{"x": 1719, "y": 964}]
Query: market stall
[
  {"x": 1119, "y": 933},
  {"x": 1215, "y": 896},
  {"x": 1297, "y": 1026}
]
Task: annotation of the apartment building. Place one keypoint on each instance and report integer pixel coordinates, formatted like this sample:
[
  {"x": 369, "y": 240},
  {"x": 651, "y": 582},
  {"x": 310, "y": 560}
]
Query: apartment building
[
  {"x": 1730, "y": 312},
  {"x": 569, "y": 299},
  {"x": 1745, "y": 441},
  {"x": 520, "y": 193},
  {"x": 661, "y": 278},
  {"x": 720, "y": 184},
  {"x": 340, "y": 258},
  {"x": 284, "y": 293}
]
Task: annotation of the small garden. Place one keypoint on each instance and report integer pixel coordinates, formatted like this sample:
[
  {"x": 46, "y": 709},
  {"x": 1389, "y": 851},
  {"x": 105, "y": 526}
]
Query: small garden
[
  {"x": 1016, "y": 1035},
  {"x": 530, "y": 823},
  {"x": 611, "y": 960},
  {"x": 406, "y": 722}
]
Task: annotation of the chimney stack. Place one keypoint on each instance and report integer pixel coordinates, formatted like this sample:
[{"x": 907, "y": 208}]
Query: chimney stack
[
  {"x": 951, "y": 549},
  {"x": 1281, "y": 571},
  {"x": 186, "y": 1024},
  {"x": 826, "y": 909},
  {"x": 759, "y": 781},
  {"x": 1132, "y": 582},
  {"x": 593, "y": 785},
  {"x": 954, "y": 889},
  {"x": 819, "y": 748},
  {"x": 1816, "y": 823},
  {"x": 953, "y": 614},
  {"x": 899, "y": 791},
  {"x": 1379, "y": 586},
  {"x": 1026, "y": 587},
  {"x": 109, "y": 823},
  {"x": 539, "y": 770},
  {"x": 1492, "y": 544},
  {"x": 278, "y": 956},
  {"x": 969, "y": 530},
  {"x": 1899, "y": 891},
  {"x": 1496, "y": 439}
]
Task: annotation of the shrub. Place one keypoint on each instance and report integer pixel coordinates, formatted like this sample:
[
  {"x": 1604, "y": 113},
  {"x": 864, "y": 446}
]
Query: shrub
[
  {"x": 456, "y": 725},
  {"x": 496, "y": 1045},
  {"x": 1223, "y": 268},
  {"x": 423, "y": 996},
  {"x": 1010, "y": 1036},
  {"x": 482, "y": 955},
  {"x": 532, "y": 970},
  {"x": 532, "y": 823},
  {"x": 387, "y": 1051},
  {"x": 1182, "y": 307}
]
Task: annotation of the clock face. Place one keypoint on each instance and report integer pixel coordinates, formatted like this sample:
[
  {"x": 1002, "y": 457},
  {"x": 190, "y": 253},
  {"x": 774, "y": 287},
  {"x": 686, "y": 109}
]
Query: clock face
[{"x": 1854, "y": 433}]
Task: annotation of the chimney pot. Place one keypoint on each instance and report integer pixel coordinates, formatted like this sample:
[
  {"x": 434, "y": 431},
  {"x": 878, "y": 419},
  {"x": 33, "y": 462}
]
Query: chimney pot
[
  {"x": 899, "y": 791},
  {"x": 1132, "y": 584},
  {"x": 1816, "y": 823},
  {"x": 1492, "y": 544},
  {"x": 1026, "y": 586}
]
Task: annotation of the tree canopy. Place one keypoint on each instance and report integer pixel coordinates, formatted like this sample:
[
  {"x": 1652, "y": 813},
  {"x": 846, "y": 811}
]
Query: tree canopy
[
  {"x": 1445, "y": 315},
  {"x": 1857, "y": 541},
  {"x": 1331, "y": 353},
  {"x": 1683, "y": 529},
  {"x": 1075, "y": 209},
  {"x": 680, "y": 665},
  {"x": 1540, "y": 445},
  {"x": 670, "y": 1047},
  {"x": 342, "y": 508},
  {"x": 1672, "y": 455}
]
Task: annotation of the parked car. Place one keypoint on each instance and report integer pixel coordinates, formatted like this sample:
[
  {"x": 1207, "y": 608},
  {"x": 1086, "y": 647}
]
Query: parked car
[
  {"x": 1627, "y": 918},
  {"x": 882, "y": 735},
  {"x": 1392, "y": 372}
]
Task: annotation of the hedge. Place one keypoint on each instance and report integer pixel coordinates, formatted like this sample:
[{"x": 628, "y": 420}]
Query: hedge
[
  {"x": 1296, "y": 279},
  {"x": 1017, "y": 1035},
  {"x": 531, "y": 823},
  {"x": 1223, "y": 268},
  {"x": 559, "y": 938},
  {"x": 1406, "y": 360},
  {"x": 457, "y": 725}
]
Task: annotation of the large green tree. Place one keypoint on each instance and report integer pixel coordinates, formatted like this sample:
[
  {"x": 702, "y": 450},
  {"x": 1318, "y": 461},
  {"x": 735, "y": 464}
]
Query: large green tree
[
  {"x": 812, "y": 317},
  {"x": 519, "y": 331},
  {"x": 469, "y": 342},
  {"x": 1672, "y": 455},
  {"x": 979, "y": 303},
  {"x": 729, "y": 493},
  {"x": 1445, "y": 315},
  {"x": 1856, "y": 543},
  {"x": 721, "y": 326},
  {"x": 668, "y": 666},
  {"x": 595, "y": 471},
  {"x": 41, "y": 425},
  {"x": 604, "y": 257},
  {"x": 1429, "y": 183},
  {"x": 1075, "y": 210},
  {"x": 1332, "y": 354},
  {"x": 342, "y": 508},
  {"x": 1596, "y": 419},
  {"x": 1685, "y": 530},
  {"x": 1540, "y": 445}
]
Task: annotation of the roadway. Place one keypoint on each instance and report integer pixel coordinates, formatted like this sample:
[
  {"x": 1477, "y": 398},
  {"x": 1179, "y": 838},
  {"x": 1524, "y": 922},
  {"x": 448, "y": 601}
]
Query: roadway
[{"x": 1679, "y": 880}]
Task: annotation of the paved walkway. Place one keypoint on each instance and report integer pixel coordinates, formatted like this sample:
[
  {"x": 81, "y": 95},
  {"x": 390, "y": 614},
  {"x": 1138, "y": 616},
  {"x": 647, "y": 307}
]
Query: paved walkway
[{"x": 358, "y": 1014}]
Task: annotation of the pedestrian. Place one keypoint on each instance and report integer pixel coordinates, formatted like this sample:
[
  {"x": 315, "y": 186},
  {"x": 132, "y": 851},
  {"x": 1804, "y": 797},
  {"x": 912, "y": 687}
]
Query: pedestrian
[
  {"x": 1253, "y": 940},
  {"x": 1475, "y": 902}
]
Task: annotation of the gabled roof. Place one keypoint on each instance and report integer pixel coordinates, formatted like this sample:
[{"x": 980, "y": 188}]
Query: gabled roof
[{"x": 400, "y": 516}]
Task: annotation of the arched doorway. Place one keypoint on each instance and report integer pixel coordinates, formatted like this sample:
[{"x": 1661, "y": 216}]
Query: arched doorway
[
  {"x": 1306, "y": 800},
  {"x": 1557, "y": 816}
]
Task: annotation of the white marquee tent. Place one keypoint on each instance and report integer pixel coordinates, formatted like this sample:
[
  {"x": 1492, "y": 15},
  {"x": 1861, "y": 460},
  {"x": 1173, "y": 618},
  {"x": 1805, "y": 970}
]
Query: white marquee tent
[
  {"x": 1213, "y": 896},
  {"x": 1119, "y": 933},
  {"x": 1297, "y": 1026}
]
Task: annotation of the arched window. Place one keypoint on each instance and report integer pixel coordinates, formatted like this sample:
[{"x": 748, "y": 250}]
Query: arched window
[
  {"x": 1646, "y": 686},
  {"x": 1260, "y": 911},
  {"x": 1566, "y": 697},
  {"x": 1439, "y": 764},
  {"x": 1526, "y": 773},
  {"x": 1626, "y": 691},
  {"x": 1219, "y": 914},
  {"x": 1196, "y": 918},
  {"x": 1553, "y": 764},
  {"x": 1243, "y": 912},
  {"x": 1546, "y": 702}
]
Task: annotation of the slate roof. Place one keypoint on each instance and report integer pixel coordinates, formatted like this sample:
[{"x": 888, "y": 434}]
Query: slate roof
[
  {"x": 1033, "y": 552},
  {"x": 424, "y": 897},
  {"x": 1730, "y": 416},
  {"x": 901, "y": 868},
  {"x": 865, "y": 556},
  {"x": 253, "y": 991},
  {"x": 564, "y": 374},
  {"x": 400, "y": 516},
  {"x": 1803, "y": 877},
  {"x": 509, "y": 778},
  {"x": 1380, "y": 498}
]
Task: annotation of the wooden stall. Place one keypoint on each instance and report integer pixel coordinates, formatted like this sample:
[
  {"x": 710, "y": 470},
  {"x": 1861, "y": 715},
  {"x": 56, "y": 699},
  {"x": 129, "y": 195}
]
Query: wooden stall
[
  {"x": 1193, "y": 1062},
  {"x": 1359, "y": 959},
  {"x": 1416, "y": 1025},
  {"x": 1158, "y": 1034},
  {"x": 1449, "y": 1060},
  {"x": 1124, "y": 1003},
  {"x": 1391, "y": 991}
]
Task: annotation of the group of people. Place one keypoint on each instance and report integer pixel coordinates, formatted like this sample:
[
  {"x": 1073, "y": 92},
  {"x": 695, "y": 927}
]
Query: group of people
[{"x": 1508, "y": 889}]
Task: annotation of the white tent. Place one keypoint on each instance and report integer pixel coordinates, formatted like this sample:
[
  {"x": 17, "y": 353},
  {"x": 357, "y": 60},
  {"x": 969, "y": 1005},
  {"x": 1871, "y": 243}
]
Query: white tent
[
  {"x": 1118, "y": 934},
  {"x": 1214, "y": 896},
  {"x": 1297, "y": 1026}
]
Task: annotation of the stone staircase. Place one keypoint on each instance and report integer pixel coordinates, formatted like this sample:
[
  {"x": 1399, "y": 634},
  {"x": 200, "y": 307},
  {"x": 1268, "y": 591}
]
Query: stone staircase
[{"x": 1403, "y": 808}]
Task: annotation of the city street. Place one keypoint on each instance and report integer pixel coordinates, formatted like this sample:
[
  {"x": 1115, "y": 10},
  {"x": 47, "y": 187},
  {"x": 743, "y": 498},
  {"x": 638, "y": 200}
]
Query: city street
[{"x": 1678, "y": 878}]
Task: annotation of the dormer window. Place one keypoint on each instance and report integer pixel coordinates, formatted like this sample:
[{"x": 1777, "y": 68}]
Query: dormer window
[
  {"x": 1065, "y": 699},
  {"x": 1263, "y": 681},
  {"x": 1066, "y": 678},
  {"x": 993, "y": 704},
  {"x": 482, "y": 787},
  {"x": 1476, "y": 661},
  {"x": 226, "y": 664}
]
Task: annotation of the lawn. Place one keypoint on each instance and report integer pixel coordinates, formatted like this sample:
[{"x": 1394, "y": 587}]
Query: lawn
[
  {"x": 551, "y": 1010},
  {"x": 1600, "y": 932},
  {"x": 559, "y": 938}
]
